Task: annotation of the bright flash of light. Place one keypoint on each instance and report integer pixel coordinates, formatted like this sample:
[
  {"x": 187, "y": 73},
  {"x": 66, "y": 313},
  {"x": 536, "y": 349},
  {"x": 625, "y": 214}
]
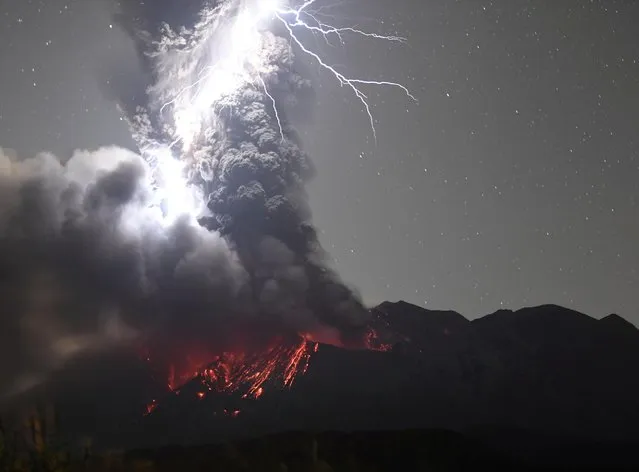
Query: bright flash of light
[
  {"x": 227, "y": 50},
  {"x": 175, "y": 197},
  {"x": 241, "y": 59},
  {"x": 237, "y": 58}
]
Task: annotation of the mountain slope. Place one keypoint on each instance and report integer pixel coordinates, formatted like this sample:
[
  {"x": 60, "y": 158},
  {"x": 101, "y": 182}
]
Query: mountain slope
[{"x": 546, "y": 369}]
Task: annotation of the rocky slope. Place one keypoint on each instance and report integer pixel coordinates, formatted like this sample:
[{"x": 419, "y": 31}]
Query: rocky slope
[{"x": 547, "y": 369}]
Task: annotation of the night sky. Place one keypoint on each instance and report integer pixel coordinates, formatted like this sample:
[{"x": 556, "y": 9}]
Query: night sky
[{"x": 513, "y": 182}]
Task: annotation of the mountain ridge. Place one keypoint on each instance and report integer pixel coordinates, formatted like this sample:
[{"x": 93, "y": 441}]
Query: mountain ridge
[
  {"x": 547, "y": 369},
  {"x": 502, "y": 311}
]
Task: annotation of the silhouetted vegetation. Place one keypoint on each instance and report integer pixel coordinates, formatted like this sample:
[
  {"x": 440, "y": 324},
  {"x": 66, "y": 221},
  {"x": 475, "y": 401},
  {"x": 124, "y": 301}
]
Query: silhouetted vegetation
[{"x": 36, "y": 448}]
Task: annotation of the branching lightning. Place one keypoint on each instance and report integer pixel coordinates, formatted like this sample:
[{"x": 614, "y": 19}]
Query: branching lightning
[
  {"x": 244, "y": 63},
  {"x": 277, "y": 113},
  {"x": 326, "y": 30}
]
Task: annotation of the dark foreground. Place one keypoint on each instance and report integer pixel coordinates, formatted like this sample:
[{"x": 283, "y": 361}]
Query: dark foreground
[
  {"x": 410, "y": 450},
  {"x": 544, "y": 369}
]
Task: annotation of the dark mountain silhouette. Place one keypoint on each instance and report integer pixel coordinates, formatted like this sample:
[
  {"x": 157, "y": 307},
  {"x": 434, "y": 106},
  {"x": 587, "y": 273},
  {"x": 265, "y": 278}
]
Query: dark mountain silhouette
[
  {"x": 545, "y": 369},
  {"x": 540, "y": 377}
]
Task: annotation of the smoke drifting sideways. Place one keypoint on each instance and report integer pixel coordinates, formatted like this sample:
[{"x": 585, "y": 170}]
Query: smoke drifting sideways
[{"x": 206, "y": 229}]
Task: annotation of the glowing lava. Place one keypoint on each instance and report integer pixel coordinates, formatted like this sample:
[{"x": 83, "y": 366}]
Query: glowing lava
[
  {"x": 249, "y": 374},
  {"x": 242, "y": 372},
  {"x": 150, "y": 408},
  {"x": 374, "y": 343}
]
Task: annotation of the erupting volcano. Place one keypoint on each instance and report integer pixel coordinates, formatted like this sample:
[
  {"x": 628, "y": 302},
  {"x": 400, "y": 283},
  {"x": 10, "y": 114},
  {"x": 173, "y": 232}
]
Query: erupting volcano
[
  {"x": 198, "y": 244},
  {"x": 246, "y": 372},
  {"x": 242, "y": 372}
]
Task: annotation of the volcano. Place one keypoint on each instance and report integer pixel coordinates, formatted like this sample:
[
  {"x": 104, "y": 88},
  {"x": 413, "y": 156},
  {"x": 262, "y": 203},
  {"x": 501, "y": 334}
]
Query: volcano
[{"x": 546, "y": 369}]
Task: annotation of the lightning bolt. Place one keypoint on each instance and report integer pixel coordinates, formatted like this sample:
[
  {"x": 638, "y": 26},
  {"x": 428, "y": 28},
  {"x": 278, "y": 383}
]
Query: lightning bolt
[
  {"x": 326, "y": 30},
  {"x": 277, "y": 113},
  {"x": 293, "y": 20}
]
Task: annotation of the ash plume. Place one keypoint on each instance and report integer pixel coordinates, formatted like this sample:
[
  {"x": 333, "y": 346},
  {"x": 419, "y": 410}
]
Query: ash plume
[
  {"x": 246, "y": 157},
  {"x": 88, "y": 260}
]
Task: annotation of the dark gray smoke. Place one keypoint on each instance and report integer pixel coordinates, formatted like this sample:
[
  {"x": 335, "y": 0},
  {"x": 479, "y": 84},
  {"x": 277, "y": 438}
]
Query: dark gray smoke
[
  {"x": 86, "y": 265},
  {"x": 255, "y": 176}
]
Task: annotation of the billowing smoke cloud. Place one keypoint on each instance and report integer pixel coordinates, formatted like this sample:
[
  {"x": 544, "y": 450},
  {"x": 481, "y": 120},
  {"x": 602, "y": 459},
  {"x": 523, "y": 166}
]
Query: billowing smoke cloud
[
  {"x": 88, "y": 259},
  {"x": 246, "y": 157},
  {"x": 85, "y": 261}
]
